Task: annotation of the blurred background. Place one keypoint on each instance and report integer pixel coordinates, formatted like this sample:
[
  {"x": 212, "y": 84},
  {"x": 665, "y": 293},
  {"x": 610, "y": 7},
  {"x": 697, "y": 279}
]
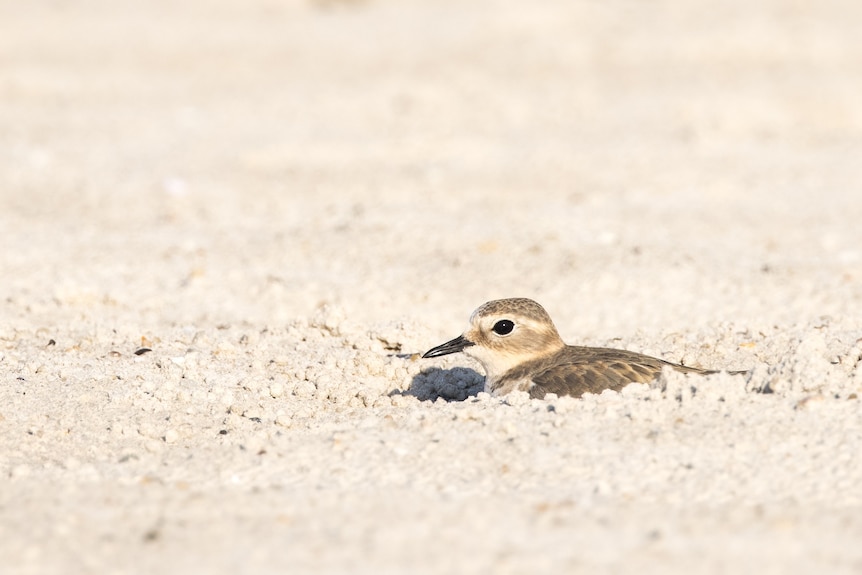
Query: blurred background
[{"x": 632, "y": 165}]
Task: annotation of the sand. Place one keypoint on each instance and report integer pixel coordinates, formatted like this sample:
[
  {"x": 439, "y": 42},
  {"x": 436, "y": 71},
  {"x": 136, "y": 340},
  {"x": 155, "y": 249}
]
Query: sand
[{"x": 285, "y": 201}]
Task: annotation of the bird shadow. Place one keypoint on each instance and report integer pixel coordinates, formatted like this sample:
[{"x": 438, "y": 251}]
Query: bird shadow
[{"x": 456, "y": 384}]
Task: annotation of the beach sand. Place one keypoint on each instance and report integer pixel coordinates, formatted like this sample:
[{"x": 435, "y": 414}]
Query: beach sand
[{"x": 230, "y": 227}]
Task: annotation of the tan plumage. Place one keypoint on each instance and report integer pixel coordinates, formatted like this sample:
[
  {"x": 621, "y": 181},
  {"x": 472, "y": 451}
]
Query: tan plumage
[{"x": 516, "y": 342}]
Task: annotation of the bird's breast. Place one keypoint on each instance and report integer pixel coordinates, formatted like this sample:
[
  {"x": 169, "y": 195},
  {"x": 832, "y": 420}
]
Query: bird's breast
[{"x": 502, "y": 386}]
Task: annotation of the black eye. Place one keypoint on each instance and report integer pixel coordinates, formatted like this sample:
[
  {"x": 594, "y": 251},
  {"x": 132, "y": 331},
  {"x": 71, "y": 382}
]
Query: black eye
[{"x": 503, "y": 327}]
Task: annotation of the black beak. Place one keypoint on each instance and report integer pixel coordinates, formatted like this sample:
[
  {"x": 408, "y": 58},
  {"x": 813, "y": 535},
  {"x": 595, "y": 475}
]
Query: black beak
[{"x": 454, "y": 346}]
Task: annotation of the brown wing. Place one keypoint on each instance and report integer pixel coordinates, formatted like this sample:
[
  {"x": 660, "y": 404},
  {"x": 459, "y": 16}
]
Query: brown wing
[{"x": 593, "y": 370}]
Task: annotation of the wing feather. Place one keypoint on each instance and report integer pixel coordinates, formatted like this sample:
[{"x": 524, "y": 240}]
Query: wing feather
[{"x": 593, "y": 370}]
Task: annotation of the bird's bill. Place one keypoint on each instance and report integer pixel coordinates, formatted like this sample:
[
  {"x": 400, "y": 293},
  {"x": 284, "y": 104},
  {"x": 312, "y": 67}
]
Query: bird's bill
[{"x": 453, "y": 346}]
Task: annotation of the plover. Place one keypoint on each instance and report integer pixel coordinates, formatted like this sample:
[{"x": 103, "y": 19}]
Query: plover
[{"x": 519, "y": 347}]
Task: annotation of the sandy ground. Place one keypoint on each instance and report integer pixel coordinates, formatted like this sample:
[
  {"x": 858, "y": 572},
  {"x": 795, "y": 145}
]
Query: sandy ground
[{"x": 284, "y": 200}]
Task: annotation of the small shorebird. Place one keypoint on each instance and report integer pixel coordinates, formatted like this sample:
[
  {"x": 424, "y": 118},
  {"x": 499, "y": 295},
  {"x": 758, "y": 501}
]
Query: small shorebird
[{"x": 519, "y": 347}]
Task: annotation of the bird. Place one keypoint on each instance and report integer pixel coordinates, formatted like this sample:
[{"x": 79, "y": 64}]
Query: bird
[{"x": 519, "y": 347}]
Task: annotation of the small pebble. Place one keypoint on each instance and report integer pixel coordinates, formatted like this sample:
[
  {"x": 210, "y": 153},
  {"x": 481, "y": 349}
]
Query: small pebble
[{"x": 284, "y": 420}]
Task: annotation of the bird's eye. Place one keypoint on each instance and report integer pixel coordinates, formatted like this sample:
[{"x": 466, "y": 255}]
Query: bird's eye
[{"x": 503, "y": 327}]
